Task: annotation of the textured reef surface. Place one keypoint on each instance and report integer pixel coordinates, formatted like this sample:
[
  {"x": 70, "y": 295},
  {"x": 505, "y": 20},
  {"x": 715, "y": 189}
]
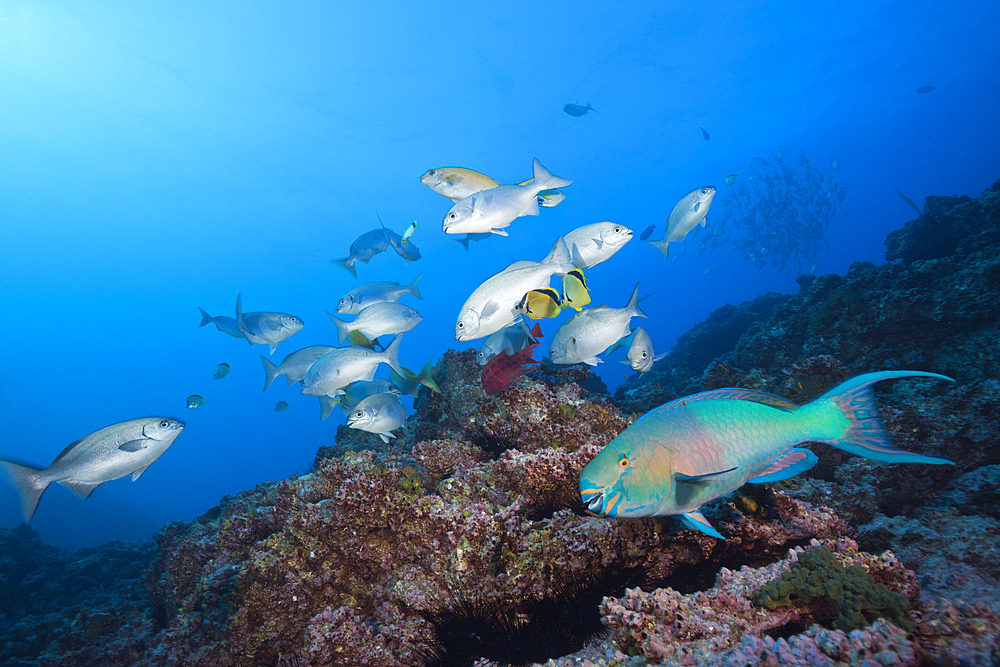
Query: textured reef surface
[{"x": 466, "y": 542}]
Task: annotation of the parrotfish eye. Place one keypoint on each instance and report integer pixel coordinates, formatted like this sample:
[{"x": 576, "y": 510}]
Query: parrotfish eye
[{"x": 623, "y": 464}]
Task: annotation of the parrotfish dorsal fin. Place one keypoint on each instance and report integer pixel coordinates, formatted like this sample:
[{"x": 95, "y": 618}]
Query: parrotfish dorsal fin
[{"x": 734, "y": 393}]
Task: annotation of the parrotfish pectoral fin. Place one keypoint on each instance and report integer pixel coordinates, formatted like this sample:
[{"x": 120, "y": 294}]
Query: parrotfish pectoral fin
[
  {"x": 697, "y": 521},
  {"x": 865, "y": 435},
  {"x": 688, "y": 487},
  {"x": 786, "y": 466},
  {"x": 694, "y": 478}
]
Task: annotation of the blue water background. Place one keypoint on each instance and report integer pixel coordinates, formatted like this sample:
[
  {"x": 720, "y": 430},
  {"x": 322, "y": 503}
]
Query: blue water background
[{"x": 160, "y": 156}]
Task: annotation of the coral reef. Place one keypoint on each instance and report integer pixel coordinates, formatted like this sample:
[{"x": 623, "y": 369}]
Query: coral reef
[{"x": 466, "y": 538}]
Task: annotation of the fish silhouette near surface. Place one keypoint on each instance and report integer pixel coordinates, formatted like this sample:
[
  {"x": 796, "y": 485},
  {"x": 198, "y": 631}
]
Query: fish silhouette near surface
[
  {"x": 692, "y": 450},
  {"x": 501, "y": 371},
  {"x": 126, "y": 448}
]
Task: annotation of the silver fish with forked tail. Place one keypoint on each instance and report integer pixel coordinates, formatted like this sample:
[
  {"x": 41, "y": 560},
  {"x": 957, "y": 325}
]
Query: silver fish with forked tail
[{"x": 121, "y": 449}]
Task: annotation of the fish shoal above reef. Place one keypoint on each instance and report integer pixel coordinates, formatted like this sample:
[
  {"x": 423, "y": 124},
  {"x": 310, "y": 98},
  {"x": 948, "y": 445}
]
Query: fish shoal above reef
[{"x": 468, "y": 538}]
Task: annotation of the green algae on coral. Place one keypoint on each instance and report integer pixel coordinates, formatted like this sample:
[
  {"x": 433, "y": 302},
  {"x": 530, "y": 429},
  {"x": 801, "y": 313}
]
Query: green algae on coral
[{"x": 819, "y": 580}]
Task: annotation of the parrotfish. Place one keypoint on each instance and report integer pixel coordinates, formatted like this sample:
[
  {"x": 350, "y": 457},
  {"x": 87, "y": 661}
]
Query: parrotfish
[
  {"x": 127, "y": 448},
  {"x": 693, "y": 450},
  {"x": 500, "y": 371},
  {"x": 577, "y": 110}
]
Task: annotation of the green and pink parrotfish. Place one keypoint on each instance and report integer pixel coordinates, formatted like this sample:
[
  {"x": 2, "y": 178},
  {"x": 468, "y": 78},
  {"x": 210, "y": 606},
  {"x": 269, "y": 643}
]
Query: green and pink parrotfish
[{"x": 692, "y": 450}]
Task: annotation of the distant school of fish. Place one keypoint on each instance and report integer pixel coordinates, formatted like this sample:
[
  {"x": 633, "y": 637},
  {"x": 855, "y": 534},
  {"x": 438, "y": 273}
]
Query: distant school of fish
[{"x": 670, "y": 461}]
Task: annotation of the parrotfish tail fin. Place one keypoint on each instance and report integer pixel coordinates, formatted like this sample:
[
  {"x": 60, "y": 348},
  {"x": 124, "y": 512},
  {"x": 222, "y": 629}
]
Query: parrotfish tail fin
[
  {"x": 343, "y": 328},
  {"x": 866, "y": 435},
  {"x": 28, "y": 483},
  {"x": 663, "y": 245},
  {"x": 633, "y": 304},
  {"x": 205, "y": 318},
  {"x": 426, "y": 378},
  {"x": 326, "y": 404},
  {"x": 270, "y": 372},
  {"x": 545, "y": 179},
  {"x": 786, "y": 466},
  {"x": 695, "y": 520},
  {"x": 414, "y": 288},
  {"x": 347, "y": 263},
  {"x": 391, "y": 356},
  {"x": 464, "y": 242}
]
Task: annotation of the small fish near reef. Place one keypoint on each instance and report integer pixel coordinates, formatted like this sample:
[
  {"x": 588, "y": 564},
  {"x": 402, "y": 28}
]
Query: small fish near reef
[
  {"x": 692, "y": 450},
  {"x": 577, "y": 110},
  {"x": 281, "y": 406},
  {"x": 127, "y": 448},
  {"x": 195, "y": 401},
  {"x": 222, "y": 370},
  {"x": 501, "y": 371}
]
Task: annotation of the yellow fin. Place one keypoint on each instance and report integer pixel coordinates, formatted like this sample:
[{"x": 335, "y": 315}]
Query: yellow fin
[{"x": 575, "y": 293}]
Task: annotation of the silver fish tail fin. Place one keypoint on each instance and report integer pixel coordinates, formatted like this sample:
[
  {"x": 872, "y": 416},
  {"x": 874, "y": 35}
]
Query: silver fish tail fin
[
  {"x": 414, "y": 288},
  {"x": 343, "y": 328},
  {"x": 347, "y": 263},
  {"x": 865, "y": 435},
  {"x": 270, "y": 372},
  {"x": 27, "y": 481},
  {"x": 633, "y": 304},
  {"x": 391, "y": 356},
  {"x": 663, "y": 245},
  {"x": 545, "y": 179},
  {"x": 205, "y": 318}
]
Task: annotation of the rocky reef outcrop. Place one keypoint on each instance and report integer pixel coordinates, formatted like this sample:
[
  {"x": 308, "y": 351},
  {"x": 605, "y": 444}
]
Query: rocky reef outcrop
[{"x": 466, "y": 541}]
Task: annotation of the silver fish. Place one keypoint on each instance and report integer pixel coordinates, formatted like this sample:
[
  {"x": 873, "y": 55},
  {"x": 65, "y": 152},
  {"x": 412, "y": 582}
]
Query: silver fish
[
  {"x": 492, "y": 306},
  {"x": 361, "y": 297},
  {"x": 264, "y": 328},
  {"x": 592, "y": 244},
  {"x": 509, "y": 339},
  {"x": 356, "y": 392},
  {"x": 408, "y": 250},
  {"x": 121, "y": 449},
  {"x": 379, "y": 413},
  {"x": 379, "y": 319},
  {"x": 640, "y": 352},
  {"x": 226, "y": 325},
  {"x": 689, "y": 212},
  {"x": 343, "y": 365},
  {"x": 494, "y": 209},
  {"x": 363, "y": 249},
  {"x": 588, "y": 333},
  {"x": 295, "y": 365}
]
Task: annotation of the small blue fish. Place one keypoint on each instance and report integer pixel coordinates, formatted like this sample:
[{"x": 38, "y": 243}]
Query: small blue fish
[
  {"x": 646, "y": 233},
  {"x": 704, "y": 134},
  {"x": 577, "y": 110},
  {"x": 925, "y": 89}
]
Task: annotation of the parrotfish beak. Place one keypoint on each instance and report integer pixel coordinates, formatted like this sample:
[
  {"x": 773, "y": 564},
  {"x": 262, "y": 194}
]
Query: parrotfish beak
[{"x": 594, "y": 502}]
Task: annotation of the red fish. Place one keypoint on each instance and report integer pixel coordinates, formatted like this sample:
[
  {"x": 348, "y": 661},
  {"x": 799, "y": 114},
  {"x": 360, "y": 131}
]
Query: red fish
[{"x": 500, "y": 371}]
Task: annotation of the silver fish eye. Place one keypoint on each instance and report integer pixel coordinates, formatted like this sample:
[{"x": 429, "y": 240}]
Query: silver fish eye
[
  {"x": 461, "y": 325},
  {"x": 452, "y": 216},
  {"x": 618, "y": 230},
  {"x": 358, "y": 414},
  {"x": 164, "y": 423}
]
